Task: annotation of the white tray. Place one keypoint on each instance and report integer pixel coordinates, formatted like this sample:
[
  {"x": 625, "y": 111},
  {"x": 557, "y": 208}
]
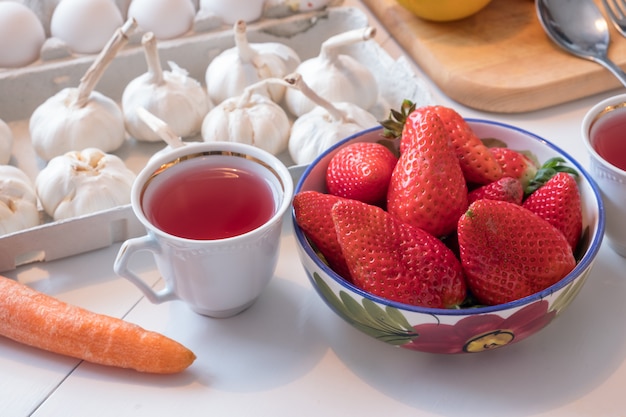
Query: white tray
[{"x": 24, "y": 89}]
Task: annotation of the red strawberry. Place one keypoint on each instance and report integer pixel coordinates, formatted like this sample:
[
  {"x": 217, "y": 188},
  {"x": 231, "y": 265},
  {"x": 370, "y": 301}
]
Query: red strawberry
[
  {"x": 505, "y": 189},
  {"x": 515, "y": 164},
  {"x": 361, "y": 171},
  {"x": 508, "y": 252},
  {"x": 312, "y": 213},
  {"x": 558, "y": 202},
  {"x": 427, "y": 187},
  {"x": 397, "y": 261},
  {"x": 478, "y": 164}
]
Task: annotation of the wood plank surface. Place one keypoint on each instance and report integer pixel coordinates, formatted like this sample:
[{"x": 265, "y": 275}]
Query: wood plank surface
[{"x": 500, "y": 59}]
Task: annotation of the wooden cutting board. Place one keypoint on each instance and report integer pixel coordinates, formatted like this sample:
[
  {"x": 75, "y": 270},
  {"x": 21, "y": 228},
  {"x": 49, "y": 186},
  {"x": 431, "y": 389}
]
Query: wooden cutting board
[{"x": 500, "y": 59}]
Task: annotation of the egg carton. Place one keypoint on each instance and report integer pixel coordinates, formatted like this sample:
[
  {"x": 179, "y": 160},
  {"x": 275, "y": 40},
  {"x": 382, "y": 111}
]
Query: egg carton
[{"x": 26, "y": 88}]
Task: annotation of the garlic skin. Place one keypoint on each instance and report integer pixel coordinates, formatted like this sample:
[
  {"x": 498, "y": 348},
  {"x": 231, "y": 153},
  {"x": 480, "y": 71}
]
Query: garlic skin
[
  {"x": 251, "y": 118},
  {"x": 325, "y": 125},
  {"x": 83, "y": 182},
  {"x": 180, "y": 101},
  {"x": 85, "y": 26},
  {"x": 336, "y": 77},
  {"x": 18, "y": 201},
  {"x": 315, "y": 131},
  {"x": 59, "y": 125},
  {"x": 6, "y": 143},
  {"x": 78, "y": 118},
  {"x": 21, "y": 35},
  {"x": 230, "y": 11},
  {"x": 234, "y": 69},
  {"x": 171, "y": 96},
  {"x": 167, "y": 19}
]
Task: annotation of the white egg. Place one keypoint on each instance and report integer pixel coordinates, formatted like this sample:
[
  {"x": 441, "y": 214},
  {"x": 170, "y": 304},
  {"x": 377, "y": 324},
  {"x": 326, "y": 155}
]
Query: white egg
[
  {"x": 231, "y": 11},
  {"x": 167, "y": 19},
  {"x": 306, "y": 5},
  {"x": 85, "y": 25},
  {"x": 21, "y": 35}
]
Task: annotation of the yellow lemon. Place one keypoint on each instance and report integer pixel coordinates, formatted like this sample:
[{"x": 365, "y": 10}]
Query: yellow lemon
[{"x": 444, "y": 10}]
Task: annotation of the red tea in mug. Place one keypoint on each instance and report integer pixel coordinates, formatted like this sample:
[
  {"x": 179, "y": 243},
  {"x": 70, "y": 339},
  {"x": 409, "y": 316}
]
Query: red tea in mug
[
  {"x": 608, "y": 137},
  {"x": 209, "y": 197}
]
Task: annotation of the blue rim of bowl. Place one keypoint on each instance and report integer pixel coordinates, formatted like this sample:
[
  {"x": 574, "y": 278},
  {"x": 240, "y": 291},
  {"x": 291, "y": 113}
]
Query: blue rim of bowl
[{"x": 584, "y": 263}]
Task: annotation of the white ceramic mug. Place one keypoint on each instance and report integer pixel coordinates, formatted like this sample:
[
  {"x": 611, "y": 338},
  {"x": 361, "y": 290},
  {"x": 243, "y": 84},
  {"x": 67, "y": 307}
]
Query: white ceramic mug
[
  {"x": 217, "y": 277},
  {"x": 611, "y": 179}
]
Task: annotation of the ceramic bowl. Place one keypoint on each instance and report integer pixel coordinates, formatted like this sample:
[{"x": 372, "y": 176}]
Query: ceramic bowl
[
  {"x": 444, "y": 10},
  {"x": 455, "y": 330}
]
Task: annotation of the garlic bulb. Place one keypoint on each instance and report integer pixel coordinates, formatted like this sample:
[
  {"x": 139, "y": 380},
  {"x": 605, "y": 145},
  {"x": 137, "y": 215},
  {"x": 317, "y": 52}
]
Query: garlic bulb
[
  {"x": 172, "y": 96},
  {"x": 336, "y": 77},
  {"x": 162, "y": 130},
  {"x": 230, "y": 11},
  {"x": 234, "y": 69},
  {"x": 83, "y": 182},
  {"x": 18, "y": 201},
  {"x": 6, "y": 143},
  {"x": 325, "y": 125},
  {"x": 251, "y": 118},
  {"x": 78, "y": 118},
  {"x": 167, "y": 19},
  {"x": 85, "y": 26},
  {"x": 21, "y": 35},
  {"x": 59, "y": 125}
]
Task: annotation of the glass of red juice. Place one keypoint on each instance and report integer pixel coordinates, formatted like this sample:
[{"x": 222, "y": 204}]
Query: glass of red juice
[
  {"x": 213, "y": 215},
  {"x": 604, "y": 136}
]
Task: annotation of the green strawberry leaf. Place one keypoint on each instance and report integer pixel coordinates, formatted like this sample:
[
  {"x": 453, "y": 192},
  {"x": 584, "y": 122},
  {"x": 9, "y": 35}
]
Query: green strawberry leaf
[
  {"x": 394, "y": 125},
  {"x": 547, "y": 171}
]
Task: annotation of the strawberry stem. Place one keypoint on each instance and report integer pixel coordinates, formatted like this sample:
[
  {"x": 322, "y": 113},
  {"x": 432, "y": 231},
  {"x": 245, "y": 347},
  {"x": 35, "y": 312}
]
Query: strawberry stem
[{"x": 397, "y": 118}]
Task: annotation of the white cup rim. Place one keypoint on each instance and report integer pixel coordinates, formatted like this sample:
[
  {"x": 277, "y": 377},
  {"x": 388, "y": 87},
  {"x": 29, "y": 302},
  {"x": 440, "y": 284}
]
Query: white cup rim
[
  {"x": 170, "y": 155},
  {"x": 604, "y": 106}
]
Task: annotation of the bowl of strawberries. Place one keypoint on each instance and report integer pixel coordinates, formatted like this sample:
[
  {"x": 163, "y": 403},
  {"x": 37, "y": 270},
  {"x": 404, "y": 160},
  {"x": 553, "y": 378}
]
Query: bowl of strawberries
[{"x": 447, "y": 235}]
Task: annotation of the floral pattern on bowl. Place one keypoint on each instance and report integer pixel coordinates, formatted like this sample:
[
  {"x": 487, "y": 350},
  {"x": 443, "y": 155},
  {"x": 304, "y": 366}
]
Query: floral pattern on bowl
[{"x": 467, "y": 330}]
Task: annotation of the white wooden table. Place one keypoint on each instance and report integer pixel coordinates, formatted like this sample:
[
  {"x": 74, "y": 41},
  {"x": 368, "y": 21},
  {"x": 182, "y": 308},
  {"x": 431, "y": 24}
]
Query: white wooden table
[{"x": 290, "y": 355}]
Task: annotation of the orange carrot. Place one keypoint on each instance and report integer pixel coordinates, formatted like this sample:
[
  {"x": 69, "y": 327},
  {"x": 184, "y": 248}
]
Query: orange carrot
[{"x": 36, "y": 319}]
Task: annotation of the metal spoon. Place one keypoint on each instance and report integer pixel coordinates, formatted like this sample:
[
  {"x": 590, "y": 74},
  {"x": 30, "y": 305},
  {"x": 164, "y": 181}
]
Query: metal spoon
[{"x": 579, "y": 27}]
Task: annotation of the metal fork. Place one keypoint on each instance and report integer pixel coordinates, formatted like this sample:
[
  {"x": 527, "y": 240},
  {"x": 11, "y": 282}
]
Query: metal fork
[{"x": 616, "y": 9}]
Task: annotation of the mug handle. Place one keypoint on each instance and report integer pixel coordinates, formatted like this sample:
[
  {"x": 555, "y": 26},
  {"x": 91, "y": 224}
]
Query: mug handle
[{"x": 120, "y": 266}]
